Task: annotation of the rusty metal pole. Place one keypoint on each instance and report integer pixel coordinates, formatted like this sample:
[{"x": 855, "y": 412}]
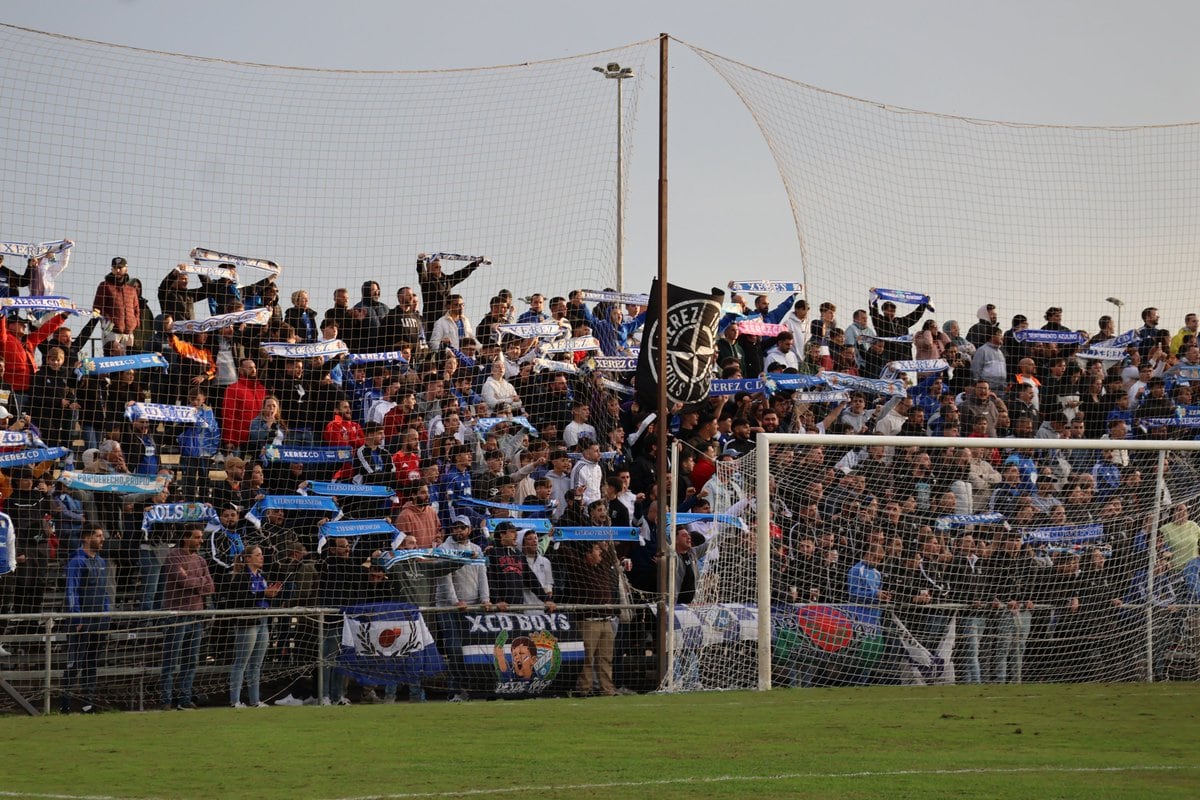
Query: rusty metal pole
[{"x": 666, "y": 613}]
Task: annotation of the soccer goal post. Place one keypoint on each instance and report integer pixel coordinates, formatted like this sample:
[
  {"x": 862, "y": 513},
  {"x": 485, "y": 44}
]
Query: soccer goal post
[{"x": 900, "y": 559}]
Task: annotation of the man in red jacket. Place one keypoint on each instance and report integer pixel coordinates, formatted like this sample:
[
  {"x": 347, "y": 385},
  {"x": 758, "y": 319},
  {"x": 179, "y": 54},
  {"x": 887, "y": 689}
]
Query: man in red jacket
[
  {"x": 342, "y": 430},
  {"x": 117, "y": 301},
  {"x": 243, "y": 400},
  {"x": 19, "y": 352}
]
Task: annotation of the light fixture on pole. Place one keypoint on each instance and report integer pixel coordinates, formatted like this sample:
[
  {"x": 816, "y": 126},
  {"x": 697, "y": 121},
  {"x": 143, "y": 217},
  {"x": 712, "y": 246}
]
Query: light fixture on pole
[
  {"x": 615, "y": 71},
  {"x": 1119, "y": 304}
]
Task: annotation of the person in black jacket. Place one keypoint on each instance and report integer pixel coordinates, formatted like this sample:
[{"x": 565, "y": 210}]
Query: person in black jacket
[
  {"x": 345, "y": 581},
  {"x": 968, "y": 587},
  {"x": 436, "y": 286},
  {"x": 888, "y": 325},
  {"x": 509, "y": 574}
]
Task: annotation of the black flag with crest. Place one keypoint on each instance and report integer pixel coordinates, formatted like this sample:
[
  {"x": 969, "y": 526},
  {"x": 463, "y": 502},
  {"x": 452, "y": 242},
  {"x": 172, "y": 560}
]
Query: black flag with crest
[{"x": 692, "y": 319}]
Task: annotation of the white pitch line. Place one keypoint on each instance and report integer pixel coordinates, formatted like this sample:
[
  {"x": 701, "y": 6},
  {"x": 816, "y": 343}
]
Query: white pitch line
[
  {"x": 765, "y": 778},
  {"x": 682, "y": 781}
]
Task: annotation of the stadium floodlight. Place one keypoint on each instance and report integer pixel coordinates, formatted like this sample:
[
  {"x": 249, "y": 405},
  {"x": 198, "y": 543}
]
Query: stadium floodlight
[{"x": 615, "y": 71}]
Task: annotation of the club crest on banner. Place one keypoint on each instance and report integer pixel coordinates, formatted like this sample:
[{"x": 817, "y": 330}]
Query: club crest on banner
[{"x": 691, "y": 320}]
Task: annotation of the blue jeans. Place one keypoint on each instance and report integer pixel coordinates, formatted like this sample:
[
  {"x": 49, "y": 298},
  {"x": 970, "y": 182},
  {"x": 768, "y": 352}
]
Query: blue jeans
[
  {"x": 181, "y": 650},
  {"x": 249, "y": 651},
  {"x": 152, "y": 582},
  {"x": 972, "y": 631}
]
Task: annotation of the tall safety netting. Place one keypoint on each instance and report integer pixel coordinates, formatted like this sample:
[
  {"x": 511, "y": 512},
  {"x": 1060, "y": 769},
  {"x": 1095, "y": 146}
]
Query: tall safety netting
[
  {"x": 973, "y": 212},
  {"x": 339, "y": 176}
]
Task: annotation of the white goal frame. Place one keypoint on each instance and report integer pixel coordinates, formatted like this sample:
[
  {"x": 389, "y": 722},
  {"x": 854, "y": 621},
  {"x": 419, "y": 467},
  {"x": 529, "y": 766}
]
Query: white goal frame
[{"x": 762, "y": 462}]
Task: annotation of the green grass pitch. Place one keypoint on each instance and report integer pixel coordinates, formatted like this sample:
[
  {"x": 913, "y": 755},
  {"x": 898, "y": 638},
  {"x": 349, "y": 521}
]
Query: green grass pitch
[{"x": 1087, "y": 741}]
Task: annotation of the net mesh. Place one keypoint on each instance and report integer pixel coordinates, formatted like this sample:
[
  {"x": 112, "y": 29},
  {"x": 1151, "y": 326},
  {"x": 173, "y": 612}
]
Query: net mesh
[
  {"x": 974, "y": 211},
  {"x": 931, "y": 564},
  {"x": 340, "y": 176}
]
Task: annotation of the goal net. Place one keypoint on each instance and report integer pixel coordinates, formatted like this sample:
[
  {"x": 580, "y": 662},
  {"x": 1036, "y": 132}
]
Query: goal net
[{"x": 921, "y": 560}]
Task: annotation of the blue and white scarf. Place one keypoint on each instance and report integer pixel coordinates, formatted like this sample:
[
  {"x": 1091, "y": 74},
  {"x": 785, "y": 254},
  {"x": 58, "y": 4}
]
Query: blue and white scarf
[
  {"x": 689, "y": 518},
  {"x": 893, "y": 388},
  {"x": 767, "y": 287},
  {"x": 595, "y": 534},
  {"x": 459, "y": 257},
  {"x": 616, "y": 363},
  {"x": 905, "y": 339},
  {"x": 731, "y": 386},
  {"x": 532, "y": 330},
  {"x": 107, "y": 364},
  {"x": 1098, "y": 353},
  {"x": 485, "y": 424},
  {"x": 821, "y": 397},
  {"x": 180, "y": 512},
  {"x": 35, "y": 455},
  {"x": 251, "y": 316},
  {"x": 951, "y": 521},
  {"x": 307, "y": 455},
  {"x": 901, "y": 296},
  {"x": 1049, "y": 337},
  {"x": 1074, "y": 534},
  {"x": 208, "y": 271},
  {"x": 202, "y": 255},
  {"x": 506, "y": 506},
  {"x": 291, "y": 502},
  {"x": 597, "y": 296},
  {"x": 781, "y": 382},
  {"x": 62, "y": 305},
  {"x": 590, "y": 343},
  {"x": 325, "y": 349},
  {"x": 157, "y": 412},
  {"x": 346, "y": 489},
  {"x": 536, "y": 524},
  {"x": 390, "y": 357},
  {"x": 353, "y": 528},
  {"x": 614, "y": 386},
  {"x": 551, "y": 365},
  {"x": 917, "y": 365},
  {"x": 462, "y": 557},
  {"x": 113, "y": 483},
  {"x": 15, "y": 438}
]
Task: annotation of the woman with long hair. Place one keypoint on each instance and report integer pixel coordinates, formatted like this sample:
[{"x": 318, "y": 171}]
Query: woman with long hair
[{"x": 247, "y": 587}]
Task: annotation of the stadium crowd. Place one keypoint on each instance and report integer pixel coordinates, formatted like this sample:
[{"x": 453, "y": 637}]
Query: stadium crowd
[{"x": 445, "y": 413}]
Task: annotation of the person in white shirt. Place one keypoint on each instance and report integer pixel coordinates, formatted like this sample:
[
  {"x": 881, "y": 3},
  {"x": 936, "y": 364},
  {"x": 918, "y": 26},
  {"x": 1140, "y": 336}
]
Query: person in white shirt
[
  {"x": 496, "y": 389},
  {"x": 798, "y": 325},
  {"x": 784, "y": 352},
  {"x": 587, "y": 472},
  {"x": 453, "y": 326},
  {"x": 539, "y": 565},
  {"x": 579, "y": 428}
]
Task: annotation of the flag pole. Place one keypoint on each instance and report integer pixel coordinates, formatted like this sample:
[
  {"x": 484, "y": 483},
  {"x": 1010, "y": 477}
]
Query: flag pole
[{"x": 666, "y": 613}]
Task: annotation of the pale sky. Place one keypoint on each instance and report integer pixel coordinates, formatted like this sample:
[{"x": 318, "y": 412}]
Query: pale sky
[{"x": 1088, "y": 63}]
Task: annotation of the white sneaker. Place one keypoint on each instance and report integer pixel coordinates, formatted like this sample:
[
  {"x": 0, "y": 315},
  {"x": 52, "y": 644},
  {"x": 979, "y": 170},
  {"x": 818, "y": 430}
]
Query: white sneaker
[
  {"x": 344, "y": 701},
  {"x": 325, "y": 701},
  {"x": 260, "y": 705},
  {"x": 311, "y": 701},
  {"x": 289, "y": 701},
  {"x": 460, "y": 697},
  {"x": 369, "y": 696},
  {"x": 239, "y": 705}
]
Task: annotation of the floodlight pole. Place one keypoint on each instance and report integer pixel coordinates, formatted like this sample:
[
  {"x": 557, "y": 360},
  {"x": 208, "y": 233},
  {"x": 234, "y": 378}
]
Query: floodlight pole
[
  {"x": 616, "y": 72},
  {"x": 666, "y": 611}
]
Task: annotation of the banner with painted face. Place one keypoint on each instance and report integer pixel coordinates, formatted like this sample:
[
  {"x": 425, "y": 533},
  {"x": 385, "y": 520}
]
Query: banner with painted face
[{"x": 518, "y": 654}]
